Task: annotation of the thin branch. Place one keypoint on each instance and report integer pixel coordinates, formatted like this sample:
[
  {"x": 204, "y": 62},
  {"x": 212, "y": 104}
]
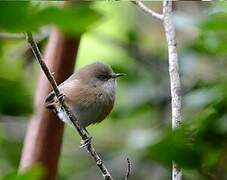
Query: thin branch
[
  {"x": 147, "y": 10},
  {"x": 71, "y": 116},
  {"x": 175, "y": 83},
  {"x": 128, "y": 169}
]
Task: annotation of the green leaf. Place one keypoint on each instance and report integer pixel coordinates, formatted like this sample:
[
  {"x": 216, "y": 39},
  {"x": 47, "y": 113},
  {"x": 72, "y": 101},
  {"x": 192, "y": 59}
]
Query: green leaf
[
  {"x": 34, "y": 173},
  {"x": 175, "y": 146},
  {"x": 14, "y": 16},
  {"x": 10, "y": 151},
  {"x": 23, "y": 16},
  {"x": 198, "y": 144},
  {"x": 15, "y": 97},
  {"x": 215, "y": 22},
  {"x": 213, "y": 35}
]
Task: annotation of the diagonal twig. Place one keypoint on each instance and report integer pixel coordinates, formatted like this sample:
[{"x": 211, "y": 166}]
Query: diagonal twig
[
  {"x": 147, "y": 10},
  {"x": 84, "y": 136}
]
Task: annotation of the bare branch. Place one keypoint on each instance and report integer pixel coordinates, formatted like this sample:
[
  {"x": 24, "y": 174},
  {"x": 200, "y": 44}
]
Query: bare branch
[
  {"x": 175, "y": 83},
  {"x": 71, "y": 116},
  {"x": 147, "y": 10},
  {"x": 128, "y": 169}
]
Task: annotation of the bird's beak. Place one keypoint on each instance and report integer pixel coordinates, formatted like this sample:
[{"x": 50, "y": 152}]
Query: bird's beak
[{"x": 118, "y": 75}]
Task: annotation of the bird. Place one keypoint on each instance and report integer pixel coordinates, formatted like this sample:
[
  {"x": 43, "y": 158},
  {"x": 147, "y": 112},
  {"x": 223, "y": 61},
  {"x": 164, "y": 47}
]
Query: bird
[{"x": 89, "y": 93}]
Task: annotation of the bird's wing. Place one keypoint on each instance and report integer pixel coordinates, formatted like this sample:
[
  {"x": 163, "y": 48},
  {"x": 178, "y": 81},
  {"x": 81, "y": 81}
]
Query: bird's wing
[
  {"x": 51, "y": 96},
  {"x": 69, "y": 89}
]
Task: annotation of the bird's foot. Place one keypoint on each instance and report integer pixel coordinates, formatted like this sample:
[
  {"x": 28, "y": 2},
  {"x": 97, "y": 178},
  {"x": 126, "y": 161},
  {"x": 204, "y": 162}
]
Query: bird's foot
[
  {"x": 61, "y": 97},
  {"x": 51, "y": 105},
  {"x": 85, "y": 142}
]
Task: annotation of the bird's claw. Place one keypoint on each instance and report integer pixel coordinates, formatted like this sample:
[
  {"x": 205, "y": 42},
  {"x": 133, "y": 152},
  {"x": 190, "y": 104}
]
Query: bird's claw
[
  {"x": 85, "y": 142},
  {"x": 61, "y": 97},
  {"x": 51, "y": 105}
]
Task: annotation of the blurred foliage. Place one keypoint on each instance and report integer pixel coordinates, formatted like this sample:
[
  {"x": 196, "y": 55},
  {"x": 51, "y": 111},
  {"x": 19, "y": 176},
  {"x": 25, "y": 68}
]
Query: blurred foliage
[
  {"x": 213, "y": 36},
  {"x": 139, "y": 126},
  {"x": 24, "y": 16},
  {"x": 34, "y": 173},
  {"x": 197, "y": 143},
  {"x": 10, "y": 150},
  {"x": 15, "y": 98}
]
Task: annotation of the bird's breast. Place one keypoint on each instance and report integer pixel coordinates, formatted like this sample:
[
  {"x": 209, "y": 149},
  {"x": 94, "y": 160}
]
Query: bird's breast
[
  {"x": 94, "y": 103},
  {"x": 90, "y": 103},
  {"x": 108, "y": 90}
]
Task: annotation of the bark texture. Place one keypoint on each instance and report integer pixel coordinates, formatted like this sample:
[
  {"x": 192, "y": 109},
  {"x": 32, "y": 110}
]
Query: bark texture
[{"x": 175, "y": 84}]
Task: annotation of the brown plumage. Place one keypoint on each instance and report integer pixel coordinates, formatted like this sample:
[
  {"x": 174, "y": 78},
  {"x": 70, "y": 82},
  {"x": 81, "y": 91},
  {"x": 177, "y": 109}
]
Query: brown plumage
[{"x": 90, "y": 93}]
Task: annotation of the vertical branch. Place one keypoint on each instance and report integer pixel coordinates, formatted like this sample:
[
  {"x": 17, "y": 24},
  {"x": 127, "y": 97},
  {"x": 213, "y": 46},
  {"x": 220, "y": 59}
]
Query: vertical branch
[{"x": 175, "y": 84}]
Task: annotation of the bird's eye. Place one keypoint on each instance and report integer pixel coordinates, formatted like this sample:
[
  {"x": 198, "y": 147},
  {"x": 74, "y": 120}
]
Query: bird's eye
[{"x": 103, "y": 77}]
